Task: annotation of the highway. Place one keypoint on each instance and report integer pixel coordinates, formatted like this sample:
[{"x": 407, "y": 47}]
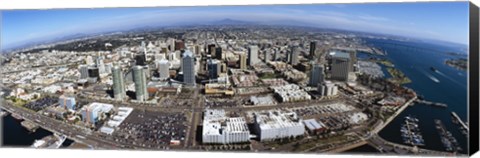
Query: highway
[{"x": 73, "y": 132}]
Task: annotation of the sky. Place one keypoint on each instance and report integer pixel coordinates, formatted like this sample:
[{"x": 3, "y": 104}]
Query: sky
[{"x": 446, "y": 21}]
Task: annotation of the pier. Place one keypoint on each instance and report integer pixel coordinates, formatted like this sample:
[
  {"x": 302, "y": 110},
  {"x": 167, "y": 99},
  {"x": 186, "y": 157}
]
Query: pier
[
  {"x": 29, "y": 125},
  {"x": 443, "y": 105},
  {"x": 16, "y": 116},
  {"x": 456, "y": 118}
]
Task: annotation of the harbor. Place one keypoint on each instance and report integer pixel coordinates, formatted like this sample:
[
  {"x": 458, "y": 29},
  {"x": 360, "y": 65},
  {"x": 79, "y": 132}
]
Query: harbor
[
  {"x": 16, "y": 116},
  {"x": 3, "y": 114},
  {"x": 448, "y": 140}
]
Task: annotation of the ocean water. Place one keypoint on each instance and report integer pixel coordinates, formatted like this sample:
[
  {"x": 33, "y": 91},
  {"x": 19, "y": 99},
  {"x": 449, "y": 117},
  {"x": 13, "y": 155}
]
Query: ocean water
[{"x": 415, "y": 60}]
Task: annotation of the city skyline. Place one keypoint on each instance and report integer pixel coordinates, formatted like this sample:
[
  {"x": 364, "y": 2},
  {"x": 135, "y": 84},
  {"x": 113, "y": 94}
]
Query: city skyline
[{"x": 424, "y": 20}]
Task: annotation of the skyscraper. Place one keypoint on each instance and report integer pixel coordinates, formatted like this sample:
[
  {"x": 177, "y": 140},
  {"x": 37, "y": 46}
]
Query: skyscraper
[
  {"x": 252, "y": 55},
  {"x": 163, "y": 69},
  {"x": 218, "y": 53},
  {"x": 214, "y": 68},
  {"x": 316, "y": 75},
  {"x": 340, "y": 65},
  {"x": 313, "y": 47},
  {"x": 188, "y": 66},
  {"x": 243, "y": 61},
  {"x": 275, "y": 54},
  {"x": 294, "y": 55},
  {"x": 100, "y": 65},
  {"x": 140, "y": 59},
  {"x": 140, "y": 81},
  {"x": 83, "y": 71},
  {"x": 118, "y": 83},
  {"x": 266, "y": 56}
]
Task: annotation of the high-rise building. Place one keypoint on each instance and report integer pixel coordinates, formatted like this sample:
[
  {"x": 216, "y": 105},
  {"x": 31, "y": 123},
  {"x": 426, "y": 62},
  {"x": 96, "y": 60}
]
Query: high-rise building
[
  {"x": 211, "y": 49},
  {"x": 218, "y": 53},
  {"x": 89, "y": 60},
  {"x": 214, "y": 68},
  {"x": 243, "y": 61},
  {"x": 100, "y": 65},
  {"x": 179, "y": 45},
  {"x": 118, "y": 83},
  {"x": 266, "y": 56},
  {"x": 140, "y": 59},
  {"x": 252, "y": 55},
  {"x": 276, "y": 54},
  {"x": 316, "y": 75},
  {"x": 313, "y": 47},
  {"x": 294, "y": 55},
  {"x": 188, "y": 66},
  {"x": 83, "y": 71},
  {"x": 163, "y": 69},
  {"x": 140, "y": 81},
  {"x": 340, "y": 65}
]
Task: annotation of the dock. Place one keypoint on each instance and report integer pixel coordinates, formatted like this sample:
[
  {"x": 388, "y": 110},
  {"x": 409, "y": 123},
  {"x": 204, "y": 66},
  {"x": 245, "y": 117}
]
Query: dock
[
  {"x": 456, "y": 119},
  {"x": 29, "y": 125},
  {"x": 16, "y": 116},
  {"x": 442, "y": 105}
]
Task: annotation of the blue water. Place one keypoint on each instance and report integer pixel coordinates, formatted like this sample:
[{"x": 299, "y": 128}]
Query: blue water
[{"x": 415, "y": 60}]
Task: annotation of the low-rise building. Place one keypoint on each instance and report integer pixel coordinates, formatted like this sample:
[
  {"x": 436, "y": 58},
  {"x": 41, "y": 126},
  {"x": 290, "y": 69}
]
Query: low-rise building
[
  {"x": 220, "y": 129},
  {"x": 271, "y": 125}
]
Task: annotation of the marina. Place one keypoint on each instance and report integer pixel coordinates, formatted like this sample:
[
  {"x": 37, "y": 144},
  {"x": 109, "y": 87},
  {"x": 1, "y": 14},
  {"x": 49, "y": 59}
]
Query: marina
[
  {"x": 54, "y": 141},
  {"x": 448, "y": 141},
  {"x": 425, "y": 102},
  {"x": 463, "y": 126},
  {"x": 411, "y": 132}
]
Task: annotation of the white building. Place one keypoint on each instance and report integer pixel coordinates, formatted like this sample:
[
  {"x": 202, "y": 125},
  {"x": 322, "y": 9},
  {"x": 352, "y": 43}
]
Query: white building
[
  {"x": 219, "y": 129},
  {"x": 290, "y": 93},
  {"x": 328, "y": 89},
  {"x": 277, "y": 124}
]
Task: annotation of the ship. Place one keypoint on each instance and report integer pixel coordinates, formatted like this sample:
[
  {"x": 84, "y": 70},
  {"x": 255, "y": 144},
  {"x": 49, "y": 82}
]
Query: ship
[
  {"x": 433, "y": 69},
  {"x": 50, "y": 142}
]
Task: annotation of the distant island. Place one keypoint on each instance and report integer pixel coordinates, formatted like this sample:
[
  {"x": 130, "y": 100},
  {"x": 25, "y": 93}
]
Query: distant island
[{"x": 459, "y": 63}]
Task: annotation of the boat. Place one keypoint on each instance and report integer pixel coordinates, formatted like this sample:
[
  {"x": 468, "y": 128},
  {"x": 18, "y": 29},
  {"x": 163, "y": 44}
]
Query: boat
[
  {"x": 433, "y": 69},
  {"x": 50, "y": 142}
]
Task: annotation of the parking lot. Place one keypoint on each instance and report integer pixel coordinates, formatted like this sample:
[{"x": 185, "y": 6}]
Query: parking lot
[
  {"x": 153, "y": 129},
  {"x": 42, "y": 103}
]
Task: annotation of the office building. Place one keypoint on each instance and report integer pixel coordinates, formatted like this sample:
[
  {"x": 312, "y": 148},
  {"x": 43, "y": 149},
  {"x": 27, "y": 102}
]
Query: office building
[
  {"x": 276, "y": 54},
  {"x": 89, "y": 60},
  {"x": 218, "y": 53},
  {"x": 220, "y": 129},
  {"x": 188, "y": 66},
  {"x": 294, "y": 55},
  {"x": 313, "y": 47},
  {"x": 243, "y": 61},
  {"x": 83, "y": 71},
  {"x": 276, "y": 124},
  {"x": 316, "y": 75},
  {"x": 118, "y": 83},
  {"x": 67, "y": 102},
  {"x": 140, "y": 81},
  {"x": 100, "y": 65},
  {"x": 253, "y": 55},
  {"x": 211, "y": 49},
  {"x": 327, "y": 89},
  {"x": 266, "y": 56},
  {"x": 93, "y": 112},
  {"x": 163, "y": 69},
  {"x": 340, "y": 65},
  {"x": 214, "y": 68},
  {"x": 140, "y": 59}
]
